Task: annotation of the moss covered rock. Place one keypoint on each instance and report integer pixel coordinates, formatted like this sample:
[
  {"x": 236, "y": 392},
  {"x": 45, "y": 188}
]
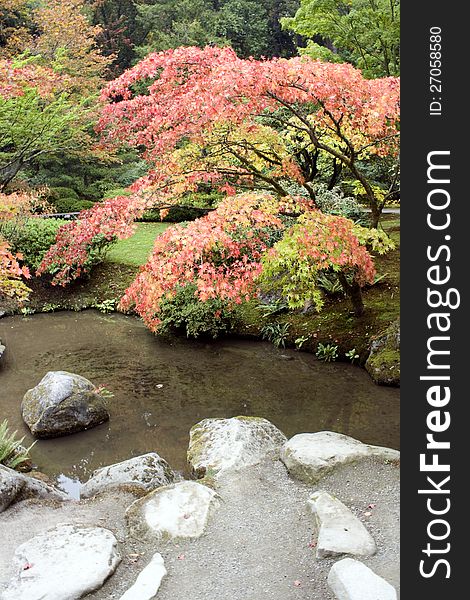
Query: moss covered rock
[
  {"x": 63, "y": 403},
  {"x": 383, "y": 364}
]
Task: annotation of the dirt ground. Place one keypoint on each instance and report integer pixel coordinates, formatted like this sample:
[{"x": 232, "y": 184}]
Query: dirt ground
[{"x": 259, "y": 544}]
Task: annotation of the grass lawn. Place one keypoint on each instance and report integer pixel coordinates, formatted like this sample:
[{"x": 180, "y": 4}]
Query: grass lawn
[{"x": 135, "y": 250}]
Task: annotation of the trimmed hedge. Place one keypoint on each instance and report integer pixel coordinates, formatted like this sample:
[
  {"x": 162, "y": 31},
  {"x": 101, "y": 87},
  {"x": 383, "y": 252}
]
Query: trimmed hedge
[{"x": 66, "y": 205}]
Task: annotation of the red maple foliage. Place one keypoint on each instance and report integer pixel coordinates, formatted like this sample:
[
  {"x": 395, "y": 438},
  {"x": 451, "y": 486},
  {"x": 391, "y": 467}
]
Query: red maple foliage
[
  {"x": 205, "y": 115},
  {"x": 219, "y": 254}
]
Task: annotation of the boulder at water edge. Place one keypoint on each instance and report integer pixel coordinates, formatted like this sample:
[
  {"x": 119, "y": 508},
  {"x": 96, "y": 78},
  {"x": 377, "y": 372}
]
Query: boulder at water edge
[
  {"x": 141, "y": 473},
  {"x": 339, "y": 531},
  {"x": 180, "y": 510},
  {"x": 64, "y": 563},
  {"x": 311, "y": 456},
  {"x": 351, "y": 580},
  {"x": 15, "y": 486},
  {"x": 221, "y": 445},
  {"x": 63, "y": 403},
  {"x": 383, "y": 363}
]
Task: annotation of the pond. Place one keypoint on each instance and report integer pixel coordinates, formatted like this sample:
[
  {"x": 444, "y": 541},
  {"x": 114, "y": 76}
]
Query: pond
[{"x": 162, "y": 387}]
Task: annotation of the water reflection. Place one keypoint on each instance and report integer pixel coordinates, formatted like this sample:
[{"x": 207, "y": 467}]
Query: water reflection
[{"x": 162, "y": 388}]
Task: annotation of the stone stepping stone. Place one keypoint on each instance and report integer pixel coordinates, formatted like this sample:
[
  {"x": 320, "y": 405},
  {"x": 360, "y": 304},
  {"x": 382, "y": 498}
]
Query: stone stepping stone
[
  {"x": 15, "y": 486},
  {"x": 311, "y": 456},
  {"x": 148, "y": 581},
  {"x": 64, "y": 563},
  {"x": 222, "y": 445},
  {"x": 142, "y": 473},
  {"x": 180, "y": 510},
  {"x": 350, "y": 579},
  {"x": 340, "y": 532},
  {"x": 62, "y": 403}
]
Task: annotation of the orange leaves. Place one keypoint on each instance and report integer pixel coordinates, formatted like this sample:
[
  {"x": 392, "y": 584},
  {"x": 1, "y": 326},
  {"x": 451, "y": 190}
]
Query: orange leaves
[
  {"x": 193, "y": 93},
  {"x": 220, "y": 254},
  {"x": 11, "y": 273}
]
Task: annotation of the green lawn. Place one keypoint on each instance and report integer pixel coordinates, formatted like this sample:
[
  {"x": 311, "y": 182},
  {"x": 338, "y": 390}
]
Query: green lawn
[{"x": 135, "y": 250}]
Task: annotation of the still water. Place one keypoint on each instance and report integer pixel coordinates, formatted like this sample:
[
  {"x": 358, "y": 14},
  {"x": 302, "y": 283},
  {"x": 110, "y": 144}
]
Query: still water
[{"x": 163, "y": 387}]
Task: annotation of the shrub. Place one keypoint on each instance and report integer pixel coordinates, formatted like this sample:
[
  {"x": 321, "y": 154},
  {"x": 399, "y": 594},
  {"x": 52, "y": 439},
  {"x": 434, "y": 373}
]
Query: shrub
[
  {"x": 56, "y": 193},
  {"x": 116, "y": 192},
  {"x": 185, "y": 311},
  {"x": 334, "y": 202},
  {"x": 176, "y": 214},
  {"x": 70, "y": 205},
  {"x": 32, "y": 238}
]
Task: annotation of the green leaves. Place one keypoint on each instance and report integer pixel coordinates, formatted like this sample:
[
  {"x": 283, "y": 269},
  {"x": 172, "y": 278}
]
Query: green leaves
[
  {"x": 12, "y": 453},
  {"x": 365, "y": 33}
]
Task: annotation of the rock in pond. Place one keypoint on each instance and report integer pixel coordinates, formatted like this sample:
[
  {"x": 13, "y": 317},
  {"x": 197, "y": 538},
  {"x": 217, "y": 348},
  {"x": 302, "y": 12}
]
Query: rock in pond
[
  {"x": 63, "y": 403},
  {"x": 311, "y": 456},
  {"x": 350, "y": 579},
  {"x": 141, "y": 473},
  {"x": 15, "y": 486},
  {"x": 221, "y": 445},
  {"x": 383, "y": 363},
  {"x": 64, "y": 563},
  {"x": 339, "y": 531},
  {"x": 148, "y": 582},
  {"x": 180, "y": 510}
]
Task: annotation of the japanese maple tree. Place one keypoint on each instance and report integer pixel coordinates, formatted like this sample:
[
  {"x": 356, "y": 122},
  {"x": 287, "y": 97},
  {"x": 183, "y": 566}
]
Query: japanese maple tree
[
  {"x": 207, "y": 115},
  {"x": 218, "y": 255},
  {"x": 316, "y": 244}
]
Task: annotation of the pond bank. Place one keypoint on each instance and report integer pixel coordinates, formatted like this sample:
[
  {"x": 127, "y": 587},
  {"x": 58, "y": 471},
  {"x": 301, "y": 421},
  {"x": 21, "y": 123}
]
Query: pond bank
[{"x": 335, "y": 325}]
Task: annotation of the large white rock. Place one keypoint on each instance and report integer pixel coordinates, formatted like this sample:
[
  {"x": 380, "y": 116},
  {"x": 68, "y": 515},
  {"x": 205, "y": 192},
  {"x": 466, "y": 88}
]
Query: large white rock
[
  {"x": 63, "y": 563},
  {"x": 62, "y": 403},
  {"x": 148, "y": 582},
  {"x": 15, "y": 486},
  {"x": 173, "y": 511},
  {"x": 145, "y": 473},
  {"x": 339, "y": 531},
  {"x": 350, "y": 579},
  {"x": 221, "y": 445},
  {"x": 311, "y": 456}
]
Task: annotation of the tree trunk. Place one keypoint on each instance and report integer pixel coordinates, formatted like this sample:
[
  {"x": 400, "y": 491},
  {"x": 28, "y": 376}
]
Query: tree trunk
[
  {"x": 9, "y": 172},
  {"x": 375, "y": 213},
  {"x": 354, "y": 293}
]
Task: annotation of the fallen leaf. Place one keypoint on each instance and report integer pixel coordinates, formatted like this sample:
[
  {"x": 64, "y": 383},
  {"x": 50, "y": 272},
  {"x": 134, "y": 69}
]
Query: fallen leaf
[
  {"x": 297, "y": 583},
  {"x": 372, "y": 505},
  {"x": 312, "y": 545},
  {"x": 181, "y": 557},
  {"x": 367, "y": 514},
  {"x": 27, "y": 566}
]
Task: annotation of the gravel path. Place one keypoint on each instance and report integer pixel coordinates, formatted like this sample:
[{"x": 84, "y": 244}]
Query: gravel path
[{"x": 257, "y": 546}]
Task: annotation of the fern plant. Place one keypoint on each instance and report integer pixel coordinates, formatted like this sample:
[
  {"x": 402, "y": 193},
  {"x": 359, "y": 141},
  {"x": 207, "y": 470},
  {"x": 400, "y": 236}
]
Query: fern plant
[{"x": 12, "y": 453}]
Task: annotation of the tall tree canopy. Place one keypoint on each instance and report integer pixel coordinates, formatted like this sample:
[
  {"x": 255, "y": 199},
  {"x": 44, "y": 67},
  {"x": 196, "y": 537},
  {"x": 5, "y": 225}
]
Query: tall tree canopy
[
  {"x": 48, "y": 94},
  {"x": 251, "y": 27},
  {"x": 363, "y": 32}
]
